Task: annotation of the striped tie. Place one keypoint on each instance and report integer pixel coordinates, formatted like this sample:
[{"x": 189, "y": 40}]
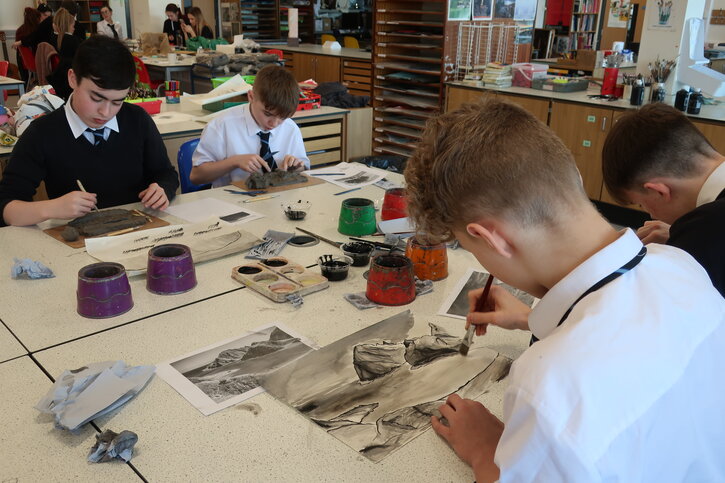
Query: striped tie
[
  {"x": 97, "y": 135},
  {"x": 264, "y": 151}
]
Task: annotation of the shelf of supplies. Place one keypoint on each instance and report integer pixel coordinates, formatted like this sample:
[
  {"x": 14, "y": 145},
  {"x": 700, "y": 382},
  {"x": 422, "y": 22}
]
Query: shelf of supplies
[
  {"x": 408, "y": 101},
  {"x": 407, "y": 35},
  {"x": 409, "y": 46},
  {"x": 414, "y": 23},
  {"x": 408, "y": 82},
  {"x": 402, "y": 121},
  {"x": 402, "y": 111},
  {"x": 412, "y": 58},
  {"x": 410, "y": 11},
  {"x": 401, "y": 131},
  {"x": 393, "y": 150},
  {"x": 403, "y": 144},
  {"x": 416, "y": 69},
  {"x": 410, "y": 92}
]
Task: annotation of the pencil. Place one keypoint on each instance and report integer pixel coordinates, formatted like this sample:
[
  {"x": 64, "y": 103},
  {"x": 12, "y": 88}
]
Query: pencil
[
  {"x": 260, "y": 198},
  {"x": 346, "y": 191},
  {"x": 327, "y": 174},
  {"x": 80, "y": 185},
  {"x": 480, "y": 307}
]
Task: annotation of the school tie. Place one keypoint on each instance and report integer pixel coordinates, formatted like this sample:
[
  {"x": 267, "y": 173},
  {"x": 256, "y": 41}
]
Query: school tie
[
  {"x": 264, "y": 151},
  {"x": 97, "y": 135},
  {"x": 113, "y": 29}
]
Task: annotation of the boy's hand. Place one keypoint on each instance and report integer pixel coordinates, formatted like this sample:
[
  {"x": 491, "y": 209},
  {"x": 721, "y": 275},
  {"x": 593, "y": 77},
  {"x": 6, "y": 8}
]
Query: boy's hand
[
  {"x": 154, "y": 197},
  {"x": 473, "y": 433},
  {"x": 290, "y": 163},
  {"x": 72, "y": 205},
  {"x": 654, "y": 231},
  {"x": 505, "y": 311},
  {"x": 252, "y": 163}
]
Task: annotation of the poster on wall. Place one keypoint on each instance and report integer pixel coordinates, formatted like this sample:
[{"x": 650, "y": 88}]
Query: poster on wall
[
  {"x": 482, "y": 9},
  {"x": 662, "y": 19},
  {"x": 459, "y": 9},
  {"x": 525, "y": 10},
  {"x": 618, "y": 14},
  {"x": 504, "y": 8}
]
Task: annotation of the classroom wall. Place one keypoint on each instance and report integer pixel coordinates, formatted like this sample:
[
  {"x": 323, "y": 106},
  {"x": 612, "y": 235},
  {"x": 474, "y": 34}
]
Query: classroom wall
[
  {"x": 11, "y": 17},
  {"x": 715, "y": 33},
  {"x": 148, "y": 16}
]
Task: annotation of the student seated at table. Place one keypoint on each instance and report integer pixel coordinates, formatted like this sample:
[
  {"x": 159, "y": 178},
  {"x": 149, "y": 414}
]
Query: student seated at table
[
  {"x": 656, "y": 158},
  {"x": 42, "y": 33},
  {"x": 197, "y": 26},
  {"x": 66, "y": 44},
  {"x": 112, "y": 147},
  {"x": 108, "y": 27},
  {"x": 625, "y": 381},
  {"x": 173, "y": 25},
  {"x": 255, "y": 137}
]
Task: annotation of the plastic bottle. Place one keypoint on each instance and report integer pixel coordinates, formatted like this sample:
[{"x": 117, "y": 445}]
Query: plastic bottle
[
  {"x": 695, "y": 102},
  {"x": 681, "y": 98},
  {"x": 637, "y": 97}
]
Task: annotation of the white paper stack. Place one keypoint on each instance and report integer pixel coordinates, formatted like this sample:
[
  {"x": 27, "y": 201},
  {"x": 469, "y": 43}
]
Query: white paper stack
[{"x": 497, "y": 74}]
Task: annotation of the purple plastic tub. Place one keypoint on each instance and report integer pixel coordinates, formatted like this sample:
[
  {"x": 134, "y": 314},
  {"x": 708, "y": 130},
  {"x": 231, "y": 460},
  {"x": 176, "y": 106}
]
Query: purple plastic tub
[
  {"x": 103, "y": 291},
  {"x": 170, "y": 270}
]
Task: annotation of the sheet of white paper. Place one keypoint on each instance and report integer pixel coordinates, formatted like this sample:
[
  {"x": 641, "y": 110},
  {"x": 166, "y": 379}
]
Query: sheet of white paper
[
  {"x": 399, "y": 225},
  {"x": 207, "y": 240},
  {"x": 355, "y": 175},
  {"x": 169, "y": 117},
  {"x": 200, "y": 210},
  {"x": 233, "y": 87},
  {"x": 225, "y": 373}
]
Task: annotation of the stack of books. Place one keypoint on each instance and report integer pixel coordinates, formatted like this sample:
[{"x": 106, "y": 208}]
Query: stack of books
[{"x": 497, "y": 74}]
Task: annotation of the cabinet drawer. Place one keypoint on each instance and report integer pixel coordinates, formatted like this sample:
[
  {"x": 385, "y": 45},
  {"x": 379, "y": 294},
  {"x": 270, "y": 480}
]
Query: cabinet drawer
[{"x": 320, "y": 130}]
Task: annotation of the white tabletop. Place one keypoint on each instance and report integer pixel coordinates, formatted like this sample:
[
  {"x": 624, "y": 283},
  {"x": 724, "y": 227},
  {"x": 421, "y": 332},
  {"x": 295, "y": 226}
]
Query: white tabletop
[
  {"x": 163, "y": 61},
  {"x": 31, "y": 449},
  {"x": 9, "y": 345},
  {"x": 10, "y": 81},
  {"x": 314, "y": 49}
]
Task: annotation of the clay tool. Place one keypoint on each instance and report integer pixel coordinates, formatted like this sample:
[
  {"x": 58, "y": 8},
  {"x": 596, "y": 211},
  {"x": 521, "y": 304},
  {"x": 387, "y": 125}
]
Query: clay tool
[
  {"x": 327, "y": 174},
  {"x": 346, "y": 191},
  {"x": 480, "y": 307},
  {"x": 80, "y": 185},
  {"x": 248, "y": 193},
  {"x": 387, "y": 246},
  {"x": 326, "y": 240},
  {"x": 261, "y": 198}
]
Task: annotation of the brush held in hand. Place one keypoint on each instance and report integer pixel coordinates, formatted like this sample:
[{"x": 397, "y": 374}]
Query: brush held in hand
[{"x": 480, "y": 307}]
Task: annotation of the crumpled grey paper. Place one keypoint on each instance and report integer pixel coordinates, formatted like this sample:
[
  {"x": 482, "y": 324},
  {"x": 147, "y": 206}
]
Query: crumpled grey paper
[
  {"x": 30, "y": 269},
  {"x": 295, "y": 299},
  {"x": 110, "y": 445},
  {"x": 84, "y": 394},
  {"x": 361, "y": 302},
  {"x": 274, "y": 242}
]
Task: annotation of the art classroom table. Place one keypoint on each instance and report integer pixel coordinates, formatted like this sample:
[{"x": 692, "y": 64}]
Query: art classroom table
[
  {"x": 10, "y": 348},
  {"x": 8, "y": 83},
  {"x": 183, "y": 64}
]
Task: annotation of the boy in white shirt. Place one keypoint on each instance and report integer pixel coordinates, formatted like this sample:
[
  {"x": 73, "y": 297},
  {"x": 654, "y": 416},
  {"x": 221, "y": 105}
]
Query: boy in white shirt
[
  {"x": 624, "y": 381},
  {"x": 255, "y": 137}
]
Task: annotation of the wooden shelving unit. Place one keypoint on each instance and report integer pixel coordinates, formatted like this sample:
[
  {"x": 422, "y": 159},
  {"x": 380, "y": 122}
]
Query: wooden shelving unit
[
  {"x": 306, "y": 17},
  {"x": 89, "y": 12},
  {"x": 408, "y": 77},
  {"x": 584, "y": 28},
  {"x": 259, "y": 19}
]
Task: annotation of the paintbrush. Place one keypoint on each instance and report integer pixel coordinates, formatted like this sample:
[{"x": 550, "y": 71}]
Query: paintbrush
[
  {"x": 387, "y": 246},
  {"x": 480, "y": 307},
  {"x": 80, "y": 185},
  {"x": 326, "y": 240}
]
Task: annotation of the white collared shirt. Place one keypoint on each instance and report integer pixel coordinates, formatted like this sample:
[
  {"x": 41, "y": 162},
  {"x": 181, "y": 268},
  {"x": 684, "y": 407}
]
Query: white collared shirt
[
  {"x": 78, "y": 127},
  {"x": 235, "y": 132},
  {"x": 104, "y": 29},
  {"x": 631, "y": 386},
  {"x": 713, "y": 186}
]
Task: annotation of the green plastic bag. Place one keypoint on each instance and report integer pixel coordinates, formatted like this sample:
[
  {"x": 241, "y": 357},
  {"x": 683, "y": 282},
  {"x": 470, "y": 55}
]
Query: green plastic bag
[{"x": 195, "y": 42}]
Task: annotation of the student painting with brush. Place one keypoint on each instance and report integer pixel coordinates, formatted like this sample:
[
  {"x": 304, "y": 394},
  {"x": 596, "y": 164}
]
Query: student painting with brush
[
  {"x": 624, "y": 381},
  {"x": 111, "y": 146},
  {"x": 656, "y": 158}
]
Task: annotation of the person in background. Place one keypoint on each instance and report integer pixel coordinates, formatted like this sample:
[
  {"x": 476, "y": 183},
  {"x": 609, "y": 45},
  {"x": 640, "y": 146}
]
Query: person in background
[
  {"x": 44, "y": 31},
  {"x": 108, "y": 27},
  {"x": 197, "y": 26},
  {"x": 173, "y": 25},
  {"x": 79, "y": 30},
  {"x": 31, "y": 20},
  {"x": 246, "y": 138},
  {"x": 66, "y": 44},
  {"x": 613, "y": 387},
  {"x": 111, "y": 146},
  {"x": 656, "y": 158}
]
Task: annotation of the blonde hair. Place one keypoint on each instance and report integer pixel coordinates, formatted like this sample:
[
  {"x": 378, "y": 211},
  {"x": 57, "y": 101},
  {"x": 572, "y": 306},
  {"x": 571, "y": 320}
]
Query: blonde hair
[
  {"x": 63, "y": 21},
  {"x": 199, "y": 17},
  {"x": 489, "y": 159}
]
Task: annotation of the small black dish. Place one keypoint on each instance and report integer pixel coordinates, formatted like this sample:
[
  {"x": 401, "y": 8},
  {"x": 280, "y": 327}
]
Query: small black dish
[
  {"x": 359, "y": 252},
  {"x": 334, "y": 267}
]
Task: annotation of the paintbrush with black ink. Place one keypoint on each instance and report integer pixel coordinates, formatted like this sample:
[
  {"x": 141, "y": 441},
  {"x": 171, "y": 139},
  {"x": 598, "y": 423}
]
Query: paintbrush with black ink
[{"x": 481, "y": 305}]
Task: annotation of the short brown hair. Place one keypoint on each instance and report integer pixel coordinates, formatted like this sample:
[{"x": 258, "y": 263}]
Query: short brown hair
[
  {"x": 656, "y": 140},
  {"x": 277, "y": 89},
  {"x": 489, "y": 159}
]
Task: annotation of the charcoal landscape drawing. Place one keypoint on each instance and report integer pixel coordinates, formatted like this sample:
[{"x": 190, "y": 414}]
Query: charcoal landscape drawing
[
  {"x": 375, "y": 390},
  {"x": 228, "y": 372}
]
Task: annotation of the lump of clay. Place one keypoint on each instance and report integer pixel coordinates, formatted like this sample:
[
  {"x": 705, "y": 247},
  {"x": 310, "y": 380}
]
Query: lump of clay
[
  {"x": 275, "y": 178},
  {"x": 70, "y": 234},
  {"x": 105, "y": 221}
]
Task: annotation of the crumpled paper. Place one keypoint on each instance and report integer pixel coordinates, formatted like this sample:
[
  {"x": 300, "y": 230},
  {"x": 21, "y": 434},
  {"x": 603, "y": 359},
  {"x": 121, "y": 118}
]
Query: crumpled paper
[
  {"x": 26, "y": 268},
  {"x": 86, "y": 393},
  {"x": 274, "y": 242},
  {"x": 361, "y": 302},
  {"x": 110, "y": 445}
]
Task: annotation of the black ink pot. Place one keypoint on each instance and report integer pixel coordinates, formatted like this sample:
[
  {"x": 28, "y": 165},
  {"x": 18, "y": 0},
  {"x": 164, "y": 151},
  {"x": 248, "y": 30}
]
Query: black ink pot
[
  {"x": 334, "y": 267},
  {"x": 359, "y": 252}
]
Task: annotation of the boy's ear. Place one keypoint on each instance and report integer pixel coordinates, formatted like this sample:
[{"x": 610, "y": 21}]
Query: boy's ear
[
  {"x": 492, "y": 236},
  {"x": 659, "y": 189},
  {"x": 72, "y": 79}
]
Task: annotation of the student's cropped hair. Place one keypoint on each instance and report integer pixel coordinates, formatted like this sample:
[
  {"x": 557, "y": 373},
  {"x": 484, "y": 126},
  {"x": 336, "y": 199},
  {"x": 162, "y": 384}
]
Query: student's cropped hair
[
  {"x": 43, "y": 8},
  {"x": 105, "y": 61},
  {"x": 277, "y": 89},
  {"x": 654, "y": 141},
  {"x": 63, "y": 22},
  {"x": 173, "y": 8},
  {"x": 71, "y": 6},
  {"x": 490, "y": 159}
]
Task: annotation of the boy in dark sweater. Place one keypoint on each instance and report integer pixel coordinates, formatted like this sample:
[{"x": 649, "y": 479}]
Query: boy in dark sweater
[
  {"x": 112, "y": 147},
  {"x": 657, "y": 158}
]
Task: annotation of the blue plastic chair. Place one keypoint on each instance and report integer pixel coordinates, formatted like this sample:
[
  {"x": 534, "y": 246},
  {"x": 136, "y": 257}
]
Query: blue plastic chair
[{"x": 184, "y": 159}]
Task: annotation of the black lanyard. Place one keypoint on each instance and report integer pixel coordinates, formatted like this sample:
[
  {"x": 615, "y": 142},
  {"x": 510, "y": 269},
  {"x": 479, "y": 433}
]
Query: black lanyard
[{"x": 615, "y": 274}]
